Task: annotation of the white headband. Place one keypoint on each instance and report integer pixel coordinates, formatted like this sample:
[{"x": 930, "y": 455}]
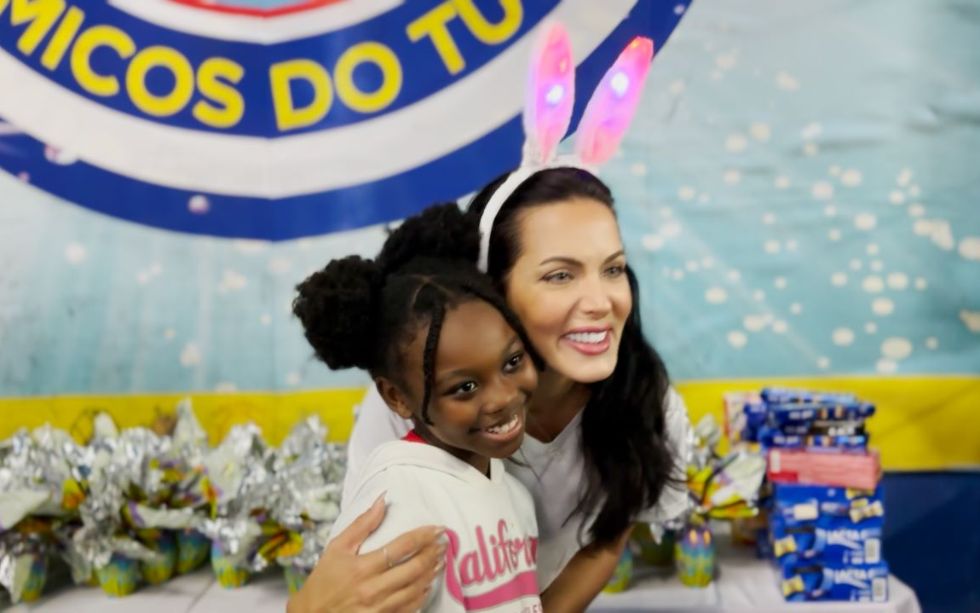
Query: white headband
[
  {"x": 502, "y": 194},
  {"x": 548, "y": 110}
]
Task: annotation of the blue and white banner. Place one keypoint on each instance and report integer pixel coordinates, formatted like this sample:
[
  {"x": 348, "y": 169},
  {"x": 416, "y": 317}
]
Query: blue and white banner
[
  {"x": 277, "y": 119},
  {"x": 796, "y": 193}
]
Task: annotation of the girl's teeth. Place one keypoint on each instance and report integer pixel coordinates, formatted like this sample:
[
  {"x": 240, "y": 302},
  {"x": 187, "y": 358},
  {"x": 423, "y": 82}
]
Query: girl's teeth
[
  {"x": 593, "y": 338},
  {"x": 504, "y": 428}
]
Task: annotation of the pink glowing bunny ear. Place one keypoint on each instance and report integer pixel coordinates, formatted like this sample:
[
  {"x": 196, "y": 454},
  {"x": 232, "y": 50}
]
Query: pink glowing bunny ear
[
  {"x": 550, "y": 95},
  {"x": 613, "y": 104}
]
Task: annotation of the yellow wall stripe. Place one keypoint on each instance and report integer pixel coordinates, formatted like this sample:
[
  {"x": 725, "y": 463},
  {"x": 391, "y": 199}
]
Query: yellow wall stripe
[
  {"x": 922, "y": 422},
  {"x": 217, "y": 412}
]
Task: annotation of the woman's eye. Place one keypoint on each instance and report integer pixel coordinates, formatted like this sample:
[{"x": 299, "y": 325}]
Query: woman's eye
[
  {"x": 616, "y": 271},
  {"x": 558, "y": 277},
  {"x": 514, "y": 362}
]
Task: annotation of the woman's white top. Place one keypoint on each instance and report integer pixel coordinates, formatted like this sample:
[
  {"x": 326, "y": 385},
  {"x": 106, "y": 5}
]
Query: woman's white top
[{"x": 554, "y": 474}]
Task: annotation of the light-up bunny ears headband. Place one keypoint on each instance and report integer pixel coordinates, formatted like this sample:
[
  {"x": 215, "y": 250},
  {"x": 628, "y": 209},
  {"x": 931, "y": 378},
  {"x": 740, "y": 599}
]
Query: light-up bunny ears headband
[{"x": 548, "y": 110}]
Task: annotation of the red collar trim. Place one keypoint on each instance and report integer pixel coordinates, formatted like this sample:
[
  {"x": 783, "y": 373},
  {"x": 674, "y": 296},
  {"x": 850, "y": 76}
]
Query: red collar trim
[{"x": 413, "y": 437}]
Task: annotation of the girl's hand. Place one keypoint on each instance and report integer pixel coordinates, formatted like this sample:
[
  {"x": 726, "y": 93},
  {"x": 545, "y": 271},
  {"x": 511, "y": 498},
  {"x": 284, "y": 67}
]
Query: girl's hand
[{"x": 395, "y": 578}]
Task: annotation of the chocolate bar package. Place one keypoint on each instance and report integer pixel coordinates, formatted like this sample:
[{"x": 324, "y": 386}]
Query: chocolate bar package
[
  {"x": 853, "y": 583},
  {"x": 815, "y": 428},
  {"x": 836, "y": 428},
  {"x": 774, "y": 439},
  {"x": 787, "y": 395},
  {"x": 798, "y": 503},
  {"x": 826, "y": 524},
  {"x": 827, "y": 540},
  {"x": 779, "y": 415},
  {"x": 748, "y": 416}
]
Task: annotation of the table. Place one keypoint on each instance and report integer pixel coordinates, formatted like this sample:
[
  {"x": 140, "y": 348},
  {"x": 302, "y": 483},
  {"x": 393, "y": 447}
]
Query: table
[{"x": 744, "y": 585}]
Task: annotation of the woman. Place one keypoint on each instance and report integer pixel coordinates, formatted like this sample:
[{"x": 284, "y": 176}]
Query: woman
[{"x": 606, "y": 436}]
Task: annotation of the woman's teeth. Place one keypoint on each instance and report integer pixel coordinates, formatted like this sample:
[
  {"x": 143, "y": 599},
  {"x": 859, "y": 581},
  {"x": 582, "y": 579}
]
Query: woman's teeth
[
  {"x": 591, "y": 338},
  {"x": 505, "y": 428}
]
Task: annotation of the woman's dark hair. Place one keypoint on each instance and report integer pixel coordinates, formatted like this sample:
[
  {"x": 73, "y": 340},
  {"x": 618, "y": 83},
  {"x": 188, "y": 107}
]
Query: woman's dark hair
[
  {"x": 362, "y": 313},
  {"x": 627, "y": 459}
]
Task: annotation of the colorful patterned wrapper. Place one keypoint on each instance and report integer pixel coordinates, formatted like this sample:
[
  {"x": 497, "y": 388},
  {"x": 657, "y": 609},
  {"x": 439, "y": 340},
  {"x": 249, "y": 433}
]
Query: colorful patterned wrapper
[
  {"x": 229, "y": 573},
  {"x": 192, "y": 550},
  {"x": 161, "y": 568},
  {"x": 120, "y": 577},
  {"x": 623, "y": 574},
  {"x": 23, "y": 574},
  {"x": 295, "y": 578},
  {"x": 36, "y": 577},
  {"x": 695, "y": 554}
]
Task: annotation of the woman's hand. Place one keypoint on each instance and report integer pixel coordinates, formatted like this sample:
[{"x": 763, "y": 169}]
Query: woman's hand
[{"x": 392, "y": 579}]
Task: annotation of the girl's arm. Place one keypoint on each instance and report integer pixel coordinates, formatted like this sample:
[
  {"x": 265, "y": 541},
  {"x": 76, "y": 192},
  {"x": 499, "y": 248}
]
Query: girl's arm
[{"x": 583, "y": 577}]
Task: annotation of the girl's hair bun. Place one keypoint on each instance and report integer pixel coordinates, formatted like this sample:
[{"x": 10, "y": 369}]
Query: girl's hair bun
[
  {"x": 440, "y": 232},
  {"x": 338, "y": 307}
]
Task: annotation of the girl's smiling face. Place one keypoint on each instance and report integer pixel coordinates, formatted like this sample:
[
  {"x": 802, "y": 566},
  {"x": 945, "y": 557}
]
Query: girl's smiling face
[{"x": 482, "y": 381}]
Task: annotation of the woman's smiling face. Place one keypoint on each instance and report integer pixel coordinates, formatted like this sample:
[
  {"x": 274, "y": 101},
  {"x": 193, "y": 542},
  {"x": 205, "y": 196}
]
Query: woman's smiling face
[{"x": 568, "y": 286}]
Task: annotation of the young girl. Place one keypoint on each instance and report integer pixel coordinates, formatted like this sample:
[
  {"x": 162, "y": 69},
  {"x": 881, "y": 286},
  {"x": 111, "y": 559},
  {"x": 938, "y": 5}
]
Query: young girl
[{"x": 447, "y": 354}]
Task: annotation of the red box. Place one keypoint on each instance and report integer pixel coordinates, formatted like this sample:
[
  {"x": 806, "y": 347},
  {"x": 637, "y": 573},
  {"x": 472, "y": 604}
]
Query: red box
[{"x": 831, "y": 467}]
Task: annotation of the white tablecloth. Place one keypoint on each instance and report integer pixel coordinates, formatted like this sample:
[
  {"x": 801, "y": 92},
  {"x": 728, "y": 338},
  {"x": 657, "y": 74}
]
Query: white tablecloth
[{"x": 744, "y": 584}]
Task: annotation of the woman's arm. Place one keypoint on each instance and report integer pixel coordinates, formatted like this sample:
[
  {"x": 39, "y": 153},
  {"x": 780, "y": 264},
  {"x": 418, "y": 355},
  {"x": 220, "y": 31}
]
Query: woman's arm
[
  {"x": 583, "y": 577},
  {"x": 343, "y": 580},
  {"x": 392, "y": 579}
]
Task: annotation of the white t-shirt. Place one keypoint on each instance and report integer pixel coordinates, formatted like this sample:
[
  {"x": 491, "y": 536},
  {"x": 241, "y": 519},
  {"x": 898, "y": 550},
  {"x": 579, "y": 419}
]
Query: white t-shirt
[
  {"x": 490, "y": 526},
  {"x": 554, "y": 474}
]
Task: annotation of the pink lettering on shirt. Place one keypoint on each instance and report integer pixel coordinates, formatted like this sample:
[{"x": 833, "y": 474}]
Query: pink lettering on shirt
[{"x": 494, "y": 558}]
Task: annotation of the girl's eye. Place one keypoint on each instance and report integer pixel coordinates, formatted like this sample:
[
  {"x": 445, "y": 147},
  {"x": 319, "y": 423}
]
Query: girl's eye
[
  {"x": 558, "y": 277},
  {"x": 465, "y": 388},
  {"x": 514, "y": 362}
]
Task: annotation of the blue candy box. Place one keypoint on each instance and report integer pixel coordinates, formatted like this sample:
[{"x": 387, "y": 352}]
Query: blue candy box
[
  {"x": 835, "y": 544},
  {"x": 826, "y": 524},
  {"x": 800, "y": 504},
  {"x": 853, "y": 583}
]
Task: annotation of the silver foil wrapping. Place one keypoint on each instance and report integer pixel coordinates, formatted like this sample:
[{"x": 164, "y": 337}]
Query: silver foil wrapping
[
  {"x": 259, "y": 505},
  {"x": 240, "y": 473},
  {"x": 309, "y": 474}
]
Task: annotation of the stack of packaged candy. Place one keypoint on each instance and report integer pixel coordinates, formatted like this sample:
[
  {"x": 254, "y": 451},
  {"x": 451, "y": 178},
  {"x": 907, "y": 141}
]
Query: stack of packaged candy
[
  {"x": 824, "y": 505},
  {"x": 132, "y": 507}
]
